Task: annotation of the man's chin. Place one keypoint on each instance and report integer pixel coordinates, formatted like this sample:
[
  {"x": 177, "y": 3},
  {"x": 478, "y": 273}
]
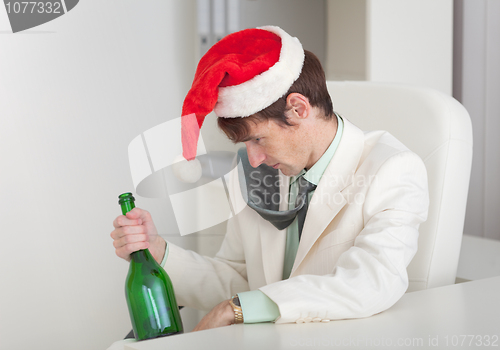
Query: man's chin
[{"x": 288, "y": 172}]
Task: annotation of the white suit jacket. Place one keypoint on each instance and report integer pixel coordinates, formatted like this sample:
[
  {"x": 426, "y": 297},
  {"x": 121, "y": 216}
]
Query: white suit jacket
[{"x": 359, "y": 236}]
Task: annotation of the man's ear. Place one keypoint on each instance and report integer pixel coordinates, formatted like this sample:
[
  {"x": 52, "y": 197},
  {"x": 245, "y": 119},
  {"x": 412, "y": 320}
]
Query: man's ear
[{"x": 298, "y": 105}]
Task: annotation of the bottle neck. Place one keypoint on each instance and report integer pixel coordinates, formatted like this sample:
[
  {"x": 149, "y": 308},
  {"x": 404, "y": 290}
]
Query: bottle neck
[
  {"x": 127, "y": 206},
  {"x": 142, "y": 256},
  {"x": 127, "y": 202}
]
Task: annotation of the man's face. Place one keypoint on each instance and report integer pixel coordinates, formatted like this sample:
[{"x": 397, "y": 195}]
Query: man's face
[{"x": 281, "y": 147}]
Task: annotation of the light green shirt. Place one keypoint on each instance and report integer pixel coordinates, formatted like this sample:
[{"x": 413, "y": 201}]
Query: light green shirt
[{"x": 256, "y": 306}]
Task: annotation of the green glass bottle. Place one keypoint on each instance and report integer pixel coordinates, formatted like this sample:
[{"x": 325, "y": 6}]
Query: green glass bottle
[{"x": 149, "y": 292}]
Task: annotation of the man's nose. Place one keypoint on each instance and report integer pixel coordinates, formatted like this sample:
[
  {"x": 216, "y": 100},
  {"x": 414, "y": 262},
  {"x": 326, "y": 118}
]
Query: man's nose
[{"x": 255, "y": 156}]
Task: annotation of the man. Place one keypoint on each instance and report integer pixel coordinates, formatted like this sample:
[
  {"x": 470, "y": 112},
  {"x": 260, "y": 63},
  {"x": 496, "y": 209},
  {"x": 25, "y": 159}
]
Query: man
[{"x": 331, "y": 236}]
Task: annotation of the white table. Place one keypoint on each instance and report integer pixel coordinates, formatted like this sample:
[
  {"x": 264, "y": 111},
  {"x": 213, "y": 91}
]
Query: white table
[{"x": 460, "y": 315}]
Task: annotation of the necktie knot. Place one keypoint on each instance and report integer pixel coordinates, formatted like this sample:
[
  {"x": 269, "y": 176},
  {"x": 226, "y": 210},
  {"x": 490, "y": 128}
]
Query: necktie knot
[{"x": 305, "y": 187}]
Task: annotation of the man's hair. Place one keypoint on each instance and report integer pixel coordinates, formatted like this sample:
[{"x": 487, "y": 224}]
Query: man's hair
[{"x": 311, "y": 83}]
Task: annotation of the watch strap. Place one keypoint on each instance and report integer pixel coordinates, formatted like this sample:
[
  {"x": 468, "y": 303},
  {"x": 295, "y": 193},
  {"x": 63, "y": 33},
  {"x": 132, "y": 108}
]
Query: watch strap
[{"x": 238, "y": 312}]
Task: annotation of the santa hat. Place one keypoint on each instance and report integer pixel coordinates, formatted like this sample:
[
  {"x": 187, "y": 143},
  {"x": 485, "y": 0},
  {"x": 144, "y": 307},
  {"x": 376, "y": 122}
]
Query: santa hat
[{"x": 240, "y": 75}]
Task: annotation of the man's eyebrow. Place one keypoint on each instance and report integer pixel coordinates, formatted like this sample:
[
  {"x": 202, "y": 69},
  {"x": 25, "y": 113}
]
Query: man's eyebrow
[{"x": 248, "y": 138}]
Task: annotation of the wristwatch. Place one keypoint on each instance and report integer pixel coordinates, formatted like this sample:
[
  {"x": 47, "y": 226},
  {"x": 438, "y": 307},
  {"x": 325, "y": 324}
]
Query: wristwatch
[{"x": 238, "y": 313}]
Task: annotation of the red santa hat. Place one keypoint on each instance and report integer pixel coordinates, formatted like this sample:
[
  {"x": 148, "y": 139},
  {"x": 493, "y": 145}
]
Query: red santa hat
[{"x": 240, "y": 75}]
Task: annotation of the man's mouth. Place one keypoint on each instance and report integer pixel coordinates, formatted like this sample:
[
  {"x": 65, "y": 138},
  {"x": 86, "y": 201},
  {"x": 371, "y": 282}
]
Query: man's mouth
[{"x": 275, "y": 166}]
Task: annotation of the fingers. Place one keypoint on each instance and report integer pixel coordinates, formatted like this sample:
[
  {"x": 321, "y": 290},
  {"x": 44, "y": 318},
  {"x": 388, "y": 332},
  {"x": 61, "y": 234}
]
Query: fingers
[
  {"x": 122, "y": 233},
  {"x": 122, "y": 220},
  {"x": 139, "y": 214},
  {"x": 129, "y": 234},
  {"x": 136, "y": 216},
  {"x": 125, "y": 251},
  {"x": 129, "y": 239}
]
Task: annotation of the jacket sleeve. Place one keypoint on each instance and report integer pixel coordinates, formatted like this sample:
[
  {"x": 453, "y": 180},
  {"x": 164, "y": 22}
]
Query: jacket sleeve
[
  {"x": 371, "y": 275},
  {"x": 202, "y": 282}
]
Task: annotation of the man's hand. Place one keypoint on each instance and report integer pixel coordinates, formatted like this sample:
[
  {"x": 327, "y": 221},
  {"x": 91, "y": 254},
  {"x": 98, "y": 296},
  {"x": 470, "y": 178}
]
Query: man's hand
[
  {"x": 134, "y": 232},
  {"x": 221, "y": 315}
]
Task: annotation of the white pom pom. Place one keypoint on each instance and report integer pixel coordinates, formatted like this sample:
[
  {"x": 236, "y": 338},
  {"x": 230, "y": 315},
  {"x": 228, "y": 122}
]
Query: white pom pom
[{"x": 187, "y": 171}]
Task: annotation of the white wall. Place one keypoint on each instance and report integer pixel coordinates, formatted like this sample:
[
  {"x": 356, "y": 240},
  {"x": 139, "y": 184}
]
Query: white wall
[
  {"x": 73, "y": 93},
  {"x": 398, "y": 41},
  {"x": 304, "y": 19},
  {"x": 477, "y": 86},
  {"x": 347, "y": 40},
  {"x": 411, "y": 41}
]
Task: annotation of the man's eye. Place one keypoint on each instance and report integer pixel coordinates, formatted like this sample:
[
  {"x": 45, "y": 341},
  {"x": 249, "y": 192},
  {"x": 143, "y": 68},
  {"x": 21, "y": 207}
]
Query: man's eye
[{"x": 257, "y": 139}]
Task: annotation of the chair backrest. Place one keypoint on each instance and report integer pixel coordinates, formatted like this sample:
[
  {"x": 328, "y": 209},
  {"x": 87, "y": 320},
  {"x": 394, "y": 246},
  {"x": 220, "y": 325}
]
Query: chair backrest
[{"x": 437, "y": 128}]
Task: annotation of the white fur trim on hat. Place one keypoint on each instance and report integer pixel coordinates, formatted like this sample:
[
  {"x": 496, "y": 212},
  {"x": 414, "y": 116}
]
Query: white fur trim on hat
[{"x": 266, "y": 88}]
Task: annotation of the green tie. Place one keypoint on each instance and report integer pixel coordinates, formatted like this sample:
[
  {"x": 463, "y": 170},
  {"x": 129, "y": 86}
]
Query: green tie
[{"x": 294, "y": 231}]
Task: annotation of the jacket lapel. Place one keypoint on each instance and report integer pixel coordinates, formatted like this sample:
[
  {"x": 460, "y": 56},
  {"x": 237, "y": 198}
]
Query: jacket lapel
[
  {"x": 328, "y": 199},
  {"x": 273, "y": 242}
]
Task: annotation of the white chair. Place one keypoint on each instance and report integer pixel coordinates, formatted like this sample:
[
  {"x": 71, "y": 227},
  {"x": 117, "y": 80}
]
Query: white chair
[{"x": 437, "y": 128}]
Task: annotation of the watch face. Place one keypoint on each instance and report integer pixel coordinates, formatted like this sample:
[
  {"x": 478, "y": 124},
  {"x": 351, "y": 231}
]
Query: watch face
[{"x": 236, "y": 301}]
